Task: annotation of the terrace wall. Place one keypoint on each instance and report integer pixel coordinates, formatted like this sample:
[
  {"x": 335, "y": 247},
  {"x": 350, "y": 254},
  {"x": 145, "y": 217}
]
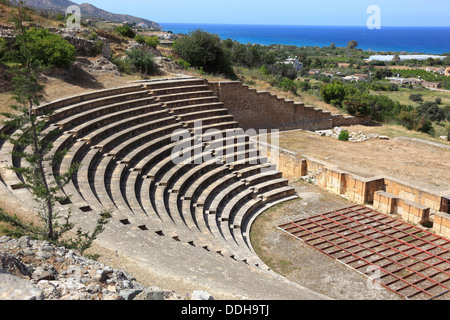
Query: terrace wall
[
  {"x": 415, "y": 205},
  {"x": 263, "y": 110}
]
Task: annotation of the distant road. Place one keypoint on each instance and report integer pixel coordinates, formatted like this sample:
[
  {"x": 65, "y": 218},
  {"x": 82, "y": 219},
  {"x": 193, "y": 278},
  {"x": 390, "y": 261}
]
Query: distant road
[{"x": 443, "y": 90}]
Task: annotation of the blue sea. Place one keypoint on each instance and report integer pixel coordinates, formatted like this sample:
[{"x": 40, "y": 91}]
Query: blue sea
[{"x": 430, "y": 40}]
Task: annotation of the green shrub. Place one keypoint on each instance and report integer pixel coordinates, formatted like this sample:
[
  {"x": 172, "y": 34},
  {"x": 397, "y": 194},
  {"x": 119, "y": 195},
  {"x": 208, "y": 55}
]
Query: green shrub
[
  {"x": 121, "y": 64},
  {"x": 287, "y": 84},
  {"x": 426, "y": 126},
  {"x": 432, "y": 111},
  {"x": 333, "y": 93},
  {"x": 98, "y": 48},
  {"x": 356, "y": 108},
  {"x": 183, "y": 63},
  {"x": 141, "y": 61},
  {"x": 204, "y": 51},
  {"x": 447, "y": 112},
  {"x": 44, "y": 47},
  {"x": 304, "y": 85},
  {"x": 150, "y": 41},
  {"x": 139, "y": 39},
  {"x": 3, "y": 48},
  {"x": 93, "y": 36},
  {"x": 126, "y": 31},
  {"x": 416, "y": 97},
  {"x": 344, "y": 136}
]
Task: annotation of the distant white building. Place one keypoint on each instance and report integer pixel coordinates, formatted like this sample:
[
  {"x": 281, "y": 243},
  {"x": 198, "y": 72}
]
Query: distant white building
[
  {"x": 142, "y": 25},
  {"x": 399, "y": 80},
  {"x": 294, "y": 61},
  {"x": 167, "y": 36},
  {"x": 404, "y": 57}
]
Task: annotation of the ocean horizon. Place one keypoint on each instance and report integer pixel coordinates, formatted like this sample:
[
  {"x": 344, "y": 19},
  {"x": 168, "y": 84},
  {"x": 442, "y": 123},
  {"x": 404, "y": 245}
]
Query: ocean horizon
[{"x": 426, "y": 40}]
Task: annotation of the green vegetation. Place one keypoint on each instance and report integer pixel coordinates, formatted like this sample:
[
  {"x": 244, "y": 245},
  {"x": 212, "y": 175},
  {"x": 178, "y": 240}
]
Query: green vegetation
[
  {"x": 150, "y": 41},
  {"x": 126, "y": 31},
  {"x": 344, "y": 135},
  {"x": 352, "y": 44},
  {"x": 36, "y": 50},
  {"x": 3, "y": 48},
  {"x": 43, "y": 47},
  {"x": 140, "y": 61},
  {"x": 204, "y": 51}
]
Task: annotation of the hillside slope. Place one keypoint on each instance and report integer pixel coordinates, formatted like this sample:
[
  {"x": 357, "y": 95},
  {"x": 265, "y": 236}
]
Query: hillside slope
[{"x": 88, "y": 11}]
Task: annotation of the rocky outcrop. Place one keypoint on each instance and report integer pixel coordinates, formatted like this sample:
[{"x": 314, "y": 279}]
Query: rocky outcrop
[
  {"x": 37, "y": 270},
  {"x": 85, "y": 47},
  {"x": 101, "y": 65}
]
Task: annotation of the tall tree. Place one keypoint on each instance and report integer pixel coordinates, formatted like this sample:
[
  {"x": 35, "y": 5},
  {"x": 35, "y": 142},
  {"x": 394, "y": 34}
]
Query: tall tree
[{"x": 32, "y": 144}]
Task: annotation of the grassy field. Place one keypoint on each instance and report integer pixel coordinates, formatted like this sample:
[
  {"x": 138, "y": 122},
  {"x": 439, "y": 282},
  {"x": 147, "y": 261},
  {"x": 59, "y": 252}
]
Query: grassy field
[{"x": 428, "y": 95}]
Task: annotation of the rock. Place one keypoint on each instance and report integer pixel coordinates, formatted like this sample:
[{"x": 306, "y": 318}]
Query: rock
[
  {"x": 100, "y": 275},
  {"x": 41, "y": 274},
  {"x": 201, "y": 295},
  {"x": 24, "y": 242},
  {"x": 383, "y": 138},
  {"x": 94, "y": 288},
  {"x": 12, "y": 264},
  {"x": 15, "y": 288},
  {"x": 130, "y": 294},
  {"x": 4, "y": 239},
  {"x": 65, "y": 276},
  {"x": 150, "y": 294},
  {"x": 43, "y": 255}
]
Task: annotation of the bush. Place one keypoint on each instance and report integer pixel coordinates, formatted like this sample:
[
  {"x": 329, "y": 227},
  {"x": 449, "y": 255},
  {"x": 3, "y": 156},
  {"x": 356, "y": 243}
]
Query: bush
[
  {"x": 356, "y": 108},
  {"x": 426, "y": 126},
  {"x": 344, "y": 135},
  {"x": 333, "y": 93},
  {"x": 126, "y": 31},
  {"x": 93, "y": 36},
  {"x": 183, "y": 63},
  {"x": 121, "y": 64},
  {"x": 432, "y": 111},
  {"x": 150, "y": 41},
  {"x": 204, "y": 51},
  {"x": 304, "y": 85},
  {"x": 44, "y": 47},
  {"x": 417, "y": 97},
  {"x": 97, "y": 48},
  {"x": 287, "y": 84},
  {"x": 447, "y": 112},
  {"x": 139, "y": 39},
  {"x": 3, "y": 48},
  {"x": 141, "y": 61}
]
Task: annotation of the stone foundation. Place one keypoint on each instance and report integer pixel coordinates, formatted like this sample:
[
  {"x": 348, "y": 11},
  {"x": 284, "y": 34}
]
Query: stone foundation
[{"x": 387, "y": 195}]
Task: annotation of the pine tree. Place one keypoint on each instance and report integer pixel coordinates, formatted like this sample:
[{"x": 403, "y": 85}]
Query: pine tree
[{"x": 33, "y": 145}]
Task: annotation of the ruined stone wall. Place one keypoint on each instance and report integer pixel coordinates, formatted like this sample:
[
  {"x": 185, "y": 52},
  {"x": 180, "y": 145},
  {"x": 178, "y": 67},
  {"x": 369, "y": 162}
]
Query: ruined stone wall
[
  {"x": 263, "y": 110},
  {"x": 415, "y": 205},
  {"x": 286, "y": 161}
]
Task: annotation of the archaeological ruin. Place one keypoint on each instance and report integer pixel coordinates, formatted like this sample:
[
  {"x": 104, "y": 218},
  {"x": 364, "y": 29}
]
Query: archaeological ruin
[{"x": 192, "y": 220}]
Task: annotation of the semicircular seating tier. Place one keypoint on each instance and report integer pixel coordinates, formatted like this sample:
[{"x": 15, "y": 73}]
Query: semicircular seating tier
[{"x": 123, "y": 140}]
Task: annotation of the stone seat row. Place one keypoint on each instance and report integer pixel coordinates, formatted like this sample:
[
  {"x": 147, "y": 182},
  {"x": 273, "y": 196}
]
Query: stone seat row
[{"x": 123, "y": 141}]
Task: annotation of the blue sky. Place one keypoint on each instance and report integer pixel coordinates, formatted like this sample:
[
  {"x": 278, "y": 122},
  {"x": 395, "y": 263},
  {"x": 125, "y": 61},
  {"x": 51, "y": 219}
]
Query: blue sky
[{"x": 284, "y": 12}]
